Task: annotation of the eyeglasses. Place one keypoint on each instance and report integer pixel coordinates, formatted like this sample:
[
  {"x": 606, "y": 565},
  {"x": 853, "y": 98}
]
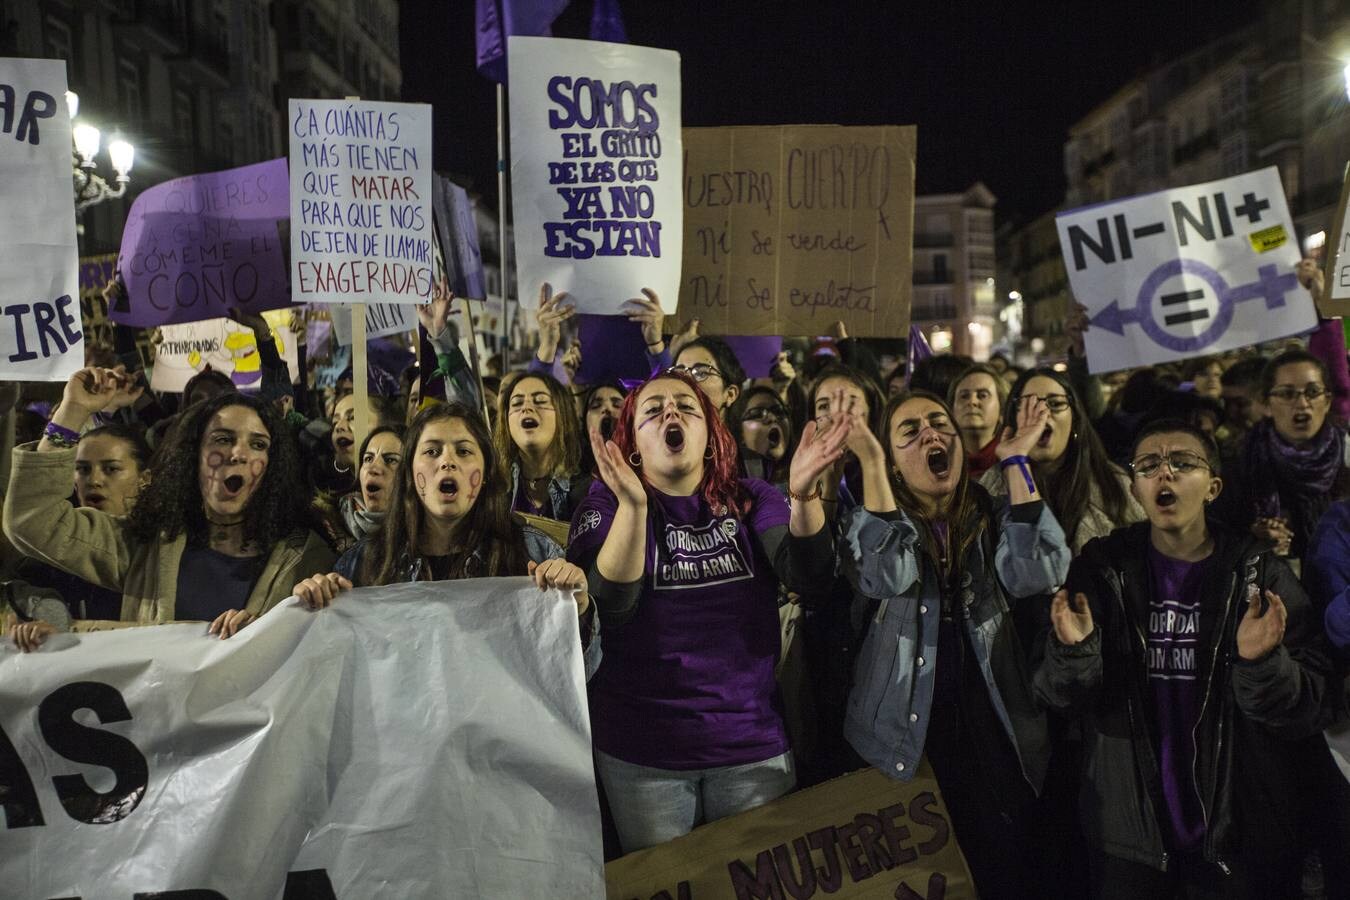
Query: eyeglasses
[
  {"x": 1056, "y": 403},
  {"x": 1312, "y": 393},
  {"x": 760, "y": 413},
  {"x": 908, "y": 431},
  {"x": 1180, "y": 462},
  {"x": 700, "y": 372}
]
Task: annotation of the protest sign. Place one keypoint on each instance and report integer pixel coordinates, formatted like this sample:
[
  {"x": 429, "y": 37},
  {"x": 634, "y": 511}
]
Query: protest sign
[
  {"x": 595, "y": 170},
  {"x": 1186, "y": 271},
  {"x": 458, "y": 233},
  {"x": 224, "y": 345},
  {"x": 381, "y": 319},
  {"x": 611, "y": 348},
  {"x": 96, "y": 273},
  {"x": 755, "y": 354},
  {"x": 790, "y": 229},
  {"x": 194, "y": 247},
  {"x": 360, "y": 202},
  {"x": 1335, "y": 300},
  {"x": 862, "y": 835},
  {"x": 40, "y": 334},
  {"x": 293, "y": 756}
]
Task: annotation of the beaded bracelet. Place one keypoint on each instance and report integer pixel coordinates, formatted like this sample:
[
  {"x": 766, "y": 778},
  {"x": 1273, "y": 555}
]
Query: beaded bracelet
[
  {"x": 814, "y": 495},
  {"x": 1021, "y": 463},
  {"x": 61, "y": 437}
]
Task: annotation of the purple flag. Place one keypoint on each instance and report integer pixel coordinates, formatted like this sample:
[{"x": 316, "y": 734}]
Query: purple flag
[
  {"x": 918, "y": 349},
  {"x": 498, "y": 19},
  {"x": 195, "y": 246},
  {"x": 755, "y": 354},
  {"x": 611, "y": 347},
  {"x": 607, "y": 22}
]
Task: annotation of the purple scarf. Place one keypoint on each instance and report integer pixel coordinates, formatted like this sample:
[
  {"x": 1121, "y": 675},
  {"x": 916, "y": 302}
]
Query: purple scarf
[{"x": 1293, "y": 482}]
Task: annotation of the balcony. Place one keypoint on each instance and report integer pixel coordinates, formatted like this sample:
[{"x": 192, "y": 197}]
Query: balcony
[
  {"x": 1202, "y": 143},
  {"x": 932, "y": 278},
  {"x": 924, "y": 240}
]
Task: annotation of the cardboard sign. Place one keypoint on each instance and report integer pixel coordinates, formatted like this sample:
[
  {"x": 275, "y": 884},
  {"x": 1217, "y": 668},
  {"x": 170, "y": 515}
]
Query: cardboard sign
[
  {"x": 458, "y": 232},
  {"x": 1186, "y": 272},
  {"x": 96, "y": 273},
  {"x": 381, "y": 319},
  {"x": 291, "y": 760},
  {"x": 790, "y": 229},
  {"x": 755, "y": 354},
  {"x": 196, "y": 246},
  {"x": 360, "y": 202},
  {"x": 1336, "y": 295},
  {"x": 595, "y": 170},
  {"x": 40, "y": 334},
  {"x": 225, "y": 346},
  {"x": 862, "y": 835}
]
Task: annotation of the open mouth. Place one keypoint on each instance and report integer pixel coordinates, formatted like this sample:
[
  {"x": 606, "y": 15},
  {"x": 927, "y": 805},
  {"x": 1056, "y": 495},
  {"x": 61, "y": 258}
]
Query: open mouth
[
  {"x": 94, "y": 499},
  {"x": 1302, "y": 420},
  {"x": 939, "y": 462},
  {"x": 606, "y": 427},
  {"x": 775, "y": 437},
  {"x": 343, "y": 443},
  {"x": 529, "y": 423},
  {"x": 1046, "y": 436},
  {"x": 234, "y": 483},
  {"x": 1166, "y": 499},
  {"x": 373, "y": 488},
  {"x": 674, "y": 437},
  {"x": 449, "y": 488}
]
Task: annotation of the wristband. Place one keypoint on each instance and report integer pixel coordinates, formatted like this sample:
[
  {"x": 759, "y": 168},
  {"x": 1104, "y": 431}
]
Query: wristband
[
  {"x": 814, "y": 495},
  {"x": 61, "y": 437},
  {"x": 1021, "y": 463},
  {"x": 654, "y": 343}
]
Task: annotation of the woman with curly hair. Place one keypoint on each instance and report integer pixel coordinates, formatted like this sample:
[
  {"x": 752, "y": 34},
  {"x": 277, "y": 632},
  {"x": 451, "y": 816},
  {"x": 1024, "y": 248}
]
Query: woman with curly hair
[
  {"x": 219, "y": 535},
  {"x": 683, "y": 559},
  {"x": 538, "y": 440}
]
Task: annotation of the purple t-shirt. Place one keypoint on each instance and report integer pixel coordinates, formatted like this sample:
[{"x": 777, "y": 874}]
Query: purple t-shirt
[
  {"x": 1173, "y": 676},
  {"x": 688, "y": 682}
]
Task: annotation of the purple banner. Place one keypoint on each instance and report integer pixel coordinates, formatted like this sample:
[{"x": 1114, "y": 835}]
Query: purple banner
[
  {"x": 458, "y": 233},
  {"x": 611, "y": 347},
  {"x": 196, "y": 246},
  {"x": 755, "y": 354}
]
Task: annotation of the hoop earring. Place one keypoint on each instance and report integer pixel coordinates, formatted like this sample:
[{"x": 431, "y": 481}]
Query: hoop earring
[
  {"x": 635, "y": 459},
  {"x": 708, "y": 452}
]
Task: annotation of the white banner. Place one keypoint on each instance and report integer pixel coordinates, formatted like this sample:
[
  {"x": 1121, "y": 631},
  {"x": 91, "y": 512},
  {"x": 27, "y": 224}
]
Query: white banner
[
  {"x": 40, "y": 334},
  {"x": 1186, "y": 272},
  {"x": 360, "y": 202},
  {"x": 225, "y": 346},
  {"x": 381, "y": 319},
  {"x": 420, "y": 740},
  {"x": 596, "y": 166}
]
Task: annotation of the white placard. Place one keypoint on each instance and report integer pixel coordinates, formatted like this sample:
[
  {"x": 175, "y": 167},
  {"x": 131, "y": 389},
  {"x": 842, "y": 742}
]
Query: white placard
[
  {"x": 596, "y": 166},
  {"x": 418, "y": 740},
  {"x": 41, "y": 338},
  {"x": 381, "y": 319},
  {"x": 1338, "y": 248},
  {"x": 1186, "y": 272},
  {"x": 223, "y": 345},
  {"x": 360, "y": 202}
]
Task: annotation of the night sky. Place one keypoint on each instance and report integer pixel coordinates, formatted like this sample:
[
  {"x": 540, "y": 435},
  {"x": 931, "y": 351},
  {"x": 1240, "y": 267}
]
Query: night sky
[{"x": 993, "y": 87}]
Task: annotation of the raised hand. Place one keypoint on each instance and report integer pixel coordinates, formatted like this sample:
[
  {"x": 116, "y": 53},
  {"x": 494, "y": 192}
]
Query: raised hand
[
  {"x": 817, "y": 451},
  {"x": 686, "y": 334},
  {"x": 553, "y": 310},
  {"x": 1310, "y": 275},
  {"x": 1277, "y": 532},
  {"x": 93, "y": 390},
  {"x": 616, "y": 473},
  {"x": 1032, "y": 416},
  {"x": 646, "y": 311},
  {"x": 1075, "y": 326},
  {"x": 435, "y": 316},
  {"x": 229, "y": 623},
  {"x": 1260, "y": 633},
  {"x": 782, "y": 372},
  {"x": 571, "y": 361},
  {"x": 252, "y": 321},
  {"x": 320, "y": 590},
  {"x": 1072, "y": 622},
  {"x": 561, "y": 574}
]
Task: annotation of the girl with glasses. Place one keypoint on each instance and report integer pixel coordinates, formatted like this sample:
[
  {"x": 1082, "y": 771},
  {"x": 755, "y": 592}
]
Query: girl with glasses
[
  {"x": 764, "y": 434},
  {"x": 714, "y": 368}
]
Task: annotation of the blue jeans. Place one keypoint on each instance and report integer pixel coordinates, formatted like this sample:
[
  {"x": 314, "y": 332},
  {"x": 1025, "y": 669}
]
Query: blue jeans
[{"x": 651, "y": 806}]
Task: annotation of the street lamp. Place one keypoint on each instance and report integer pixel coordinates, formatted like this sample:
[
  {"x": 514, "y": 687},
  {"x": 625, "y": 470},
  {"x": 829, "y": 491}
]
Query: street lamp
[
  {"x": 90, "y": 187},
  {"x": 1346, "y": 73}
]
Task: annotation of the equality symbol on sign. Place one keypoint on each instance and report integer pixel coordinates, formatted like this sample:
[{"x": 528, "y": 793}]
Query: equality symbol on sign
[{"x": 1182, "y": 306}]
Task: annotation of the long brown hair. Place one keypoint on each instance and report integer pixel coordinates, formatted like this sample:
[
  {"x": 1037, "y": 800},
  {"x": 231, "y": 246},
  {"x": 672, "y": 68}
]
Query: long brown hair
[
  {"x": 565, "y": 451},
  {"x": 489, "y": 542},
  {"x": 963, "y": 514}
]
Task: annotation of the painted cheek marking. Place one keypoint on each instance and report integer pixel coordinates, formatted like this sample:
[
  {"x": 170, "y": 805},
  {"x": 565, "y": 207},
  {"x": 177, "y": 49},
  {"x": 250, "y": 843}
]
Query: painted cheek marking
[
  {"x": 421, "y": 483},
  {"x": 215, "y": 459},
  {"x": 475, "y": 478}
]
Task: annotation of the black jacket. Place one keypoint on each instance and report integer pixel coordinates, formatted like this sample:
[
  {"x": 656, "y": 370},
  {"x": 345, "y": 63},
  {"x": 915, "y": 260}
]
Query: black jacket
[{"x": 1252, "y": 717}]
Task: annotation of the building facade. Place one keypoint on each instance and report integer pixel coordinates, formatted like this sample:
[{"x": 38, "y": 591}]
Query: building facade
[{"x": 953, "y": 298}]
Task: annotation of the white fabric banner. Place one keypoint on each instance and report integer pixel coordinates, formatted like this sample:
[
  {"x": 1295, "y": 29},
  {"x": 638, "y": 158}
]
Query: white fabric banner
[
  {"x": 419, "y": 740},
  {"x": 1186, "y": 272},
  {"x": 41, "y": 338},
  {"x": 596, "y": 168}
]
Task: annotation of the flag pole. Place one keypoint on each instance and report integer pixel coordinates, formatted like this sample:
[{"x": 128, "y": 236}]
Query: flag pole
[{"x": 502, "y": 243}]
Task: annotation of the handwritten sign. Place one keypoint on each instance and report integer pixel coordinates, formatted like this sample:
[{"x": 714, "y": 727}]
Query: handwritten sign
[
  {"x": 96, "y": 273},
  {"x": 595, "y": 169},
  {"x": 225, "y": 346},
  {"x": 196, "y": 246},
  {"x": 458, "y": 231},
  {"x": 1336, "y": 296},
  {"x": 862, "y": 835},
  {"x": 360, "y": 202},
  {"x": 790, "y": 229},
  {"x": 381, "y": 319},
  {"x": 1186, "y": 272},
  {"x": 40, "y": 334}
]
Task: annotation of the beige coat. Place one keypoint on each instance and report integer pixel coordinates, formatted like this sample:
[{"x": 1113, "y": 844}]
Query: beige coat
[
  {"x": 1095, "y": 522},
  {"x": 97, "y": 547}
]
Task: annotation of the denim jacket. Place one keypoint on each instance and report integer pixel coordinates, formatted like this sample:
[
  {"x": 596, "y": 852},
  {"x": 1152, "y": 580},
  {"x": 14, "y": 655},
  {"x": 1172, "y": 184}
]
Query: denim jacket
[
  {"x": 565, "y": 493},
  {"x": 896, "y": 609},
  {"x": 538, "y": 546}
]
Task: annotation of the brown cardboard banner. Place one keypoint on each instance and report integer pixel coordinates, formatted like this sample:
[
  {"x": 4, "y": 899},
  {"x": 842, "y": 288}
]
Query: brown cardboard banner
[
  {"x": 862, "y": 835},
  {"x": 95, "y": 274},
  {"x": 788, "y": 229},
  {"x": 1335, "y": 299}
]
